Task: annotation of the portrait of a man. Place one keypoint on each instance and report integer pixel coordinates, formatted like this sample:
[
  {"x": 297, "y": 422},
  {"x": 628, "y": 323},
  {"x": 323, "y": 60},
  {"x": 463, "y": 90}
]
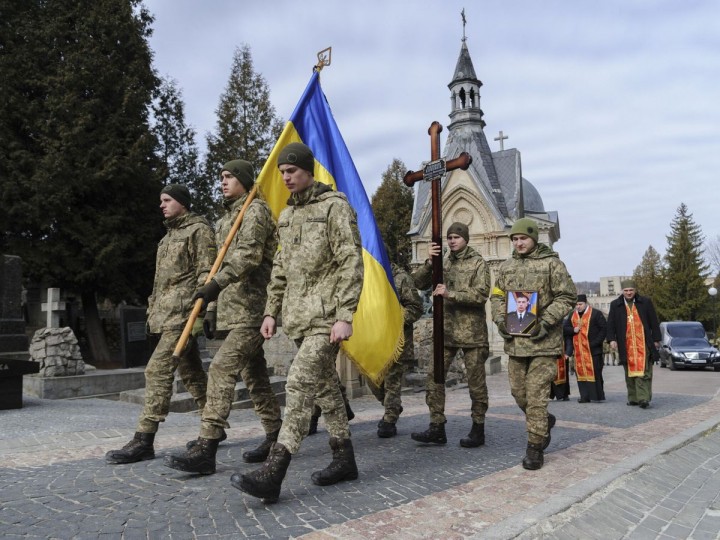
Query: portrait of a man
[{"x": 520, "y": 318}]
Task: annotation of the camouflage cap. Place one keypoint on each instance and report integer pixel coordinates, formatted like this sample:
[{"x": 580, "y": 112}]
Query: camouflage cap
[{"x": 628, "y": 284}]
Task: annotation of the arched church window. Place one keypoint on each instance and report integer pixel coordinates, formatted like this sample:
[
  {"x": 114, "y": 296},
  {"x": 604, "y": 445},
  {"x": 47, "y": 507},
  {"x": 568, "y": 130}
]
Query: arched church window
[
  {"x": 472, "y": 97},
  {"x": 462, "y": 98}
]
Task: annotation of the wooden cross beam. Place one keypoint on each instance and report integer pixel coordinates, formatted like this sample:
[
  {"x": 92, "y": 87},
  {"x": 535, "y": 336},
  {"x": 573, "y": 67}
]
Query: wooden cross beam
[{"x": 433, "y": 173}]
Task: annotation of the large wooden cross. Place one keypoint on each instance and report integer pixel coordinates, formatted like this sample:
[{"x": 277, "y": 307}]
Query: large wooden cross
[{"x": 433, "y": 173}]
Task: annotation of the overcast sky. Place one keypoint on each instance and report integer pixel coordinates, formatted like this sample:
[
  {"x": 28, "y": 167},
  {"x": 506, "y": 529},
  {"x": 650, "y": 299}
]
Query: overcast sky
[{"x": 613, "y": 105}]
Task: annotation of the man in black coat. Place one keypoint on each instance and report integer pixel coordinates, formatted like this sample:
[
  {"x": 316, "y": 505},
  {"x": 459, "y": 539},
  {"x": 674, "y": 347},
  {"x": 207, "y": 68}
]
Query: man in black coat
[
  {"x": 586, "y": 327},
  {"x": 634, "y": 331}
]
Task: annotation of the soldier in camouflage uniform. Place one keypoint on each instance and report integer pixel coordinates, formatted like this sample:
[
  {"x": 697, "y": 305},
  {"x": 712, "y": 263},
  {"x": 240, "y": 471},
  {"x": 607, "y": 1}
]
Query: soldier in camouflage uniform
[
  {"x": 240, "y": 290},
  {"x": 184, "y": 258},
  {"x": 532, "y": 359},
  {"x": 316, "y": 280},
  {"x": 465, "y": 291},
  {"x": 389, "y": 392}
]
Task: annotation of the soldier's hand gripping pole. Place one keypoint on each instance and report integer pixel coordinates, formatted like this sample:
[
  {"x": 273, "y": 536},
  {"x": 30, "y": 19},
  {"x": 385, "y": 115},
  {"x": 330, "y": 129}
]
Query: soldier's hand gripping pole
[
  {"x": 197, "y": 308},
  {"x": 433, "y": 173}
]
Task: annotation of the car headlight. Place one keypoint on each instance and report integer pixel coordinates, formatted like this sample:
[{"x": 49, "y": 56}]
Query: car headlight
[{"x": 676, "y": 354}]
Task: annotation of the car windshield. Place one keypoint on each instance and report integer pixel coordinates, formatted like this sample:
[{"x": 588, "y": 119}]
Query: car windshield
[
  {"x": 686, "y": 330},
  {"x": 694, "y": 343}
]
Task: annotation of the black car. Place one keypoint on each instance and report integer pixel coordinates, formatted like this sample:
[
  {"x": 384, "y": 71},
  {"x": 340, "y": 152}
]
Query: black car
[{"x": 685, "y": 345}]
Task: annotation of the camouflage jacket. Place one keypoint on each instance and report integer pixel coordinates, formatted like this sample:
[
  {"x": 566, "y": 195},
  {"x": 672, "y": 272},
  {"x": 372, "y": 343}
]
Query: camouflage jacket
[
  {"x": 245, "y": 271},
  {"x": 544, "y": 272},
  {"x": 317, "y": 273},
  {"x": 184, "y": 258},
  {"x": 467, "y": 278},
  {"x": 407, "y": 293}
]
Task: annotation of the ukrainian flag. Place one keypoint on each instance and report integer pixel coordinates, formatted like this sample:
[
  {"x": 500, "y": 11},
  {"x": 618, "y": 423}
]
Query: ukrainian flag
[{"x": 377, "y": 338}]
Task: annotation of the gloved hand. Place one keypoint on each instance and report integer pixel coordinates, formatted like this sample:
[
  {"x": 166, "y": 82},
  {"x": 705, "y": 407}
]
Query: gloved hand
[
  {"x": 210, "y": 324},
  {"x": 208, "y": 292},
  {"x": 502, "y": 330},
  {"x": 197, "y": 327},
  {"x": 542, "y": 332}
]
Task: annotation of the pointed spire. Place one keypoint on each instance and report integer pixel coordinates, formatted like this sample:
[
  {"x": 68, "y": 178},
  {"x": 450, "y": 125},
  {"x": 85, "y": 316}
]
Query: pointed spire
[{"x": 464, "y": 70}]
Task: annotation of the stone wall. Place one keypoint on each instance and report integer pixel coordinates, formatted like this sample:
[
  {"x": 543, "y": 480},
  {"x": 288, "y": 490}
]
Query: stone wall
[{"x": 57, "y": 351}]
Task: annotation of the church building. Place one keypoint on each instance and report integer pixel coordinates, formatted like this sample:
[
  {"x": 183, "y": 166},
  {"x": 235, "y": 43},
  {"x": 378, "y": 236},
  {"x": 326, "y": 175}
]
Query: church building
[{"x": 490, "y": 195}]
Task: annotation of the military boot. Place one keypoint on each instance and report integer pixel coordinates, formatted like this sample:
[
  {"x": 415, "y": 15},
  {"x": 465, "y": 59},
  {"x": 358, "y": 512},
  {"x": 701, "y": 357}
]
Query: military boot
[
  {"x": 312, "y": 430},
  {"x": 342, "y": 467},
  {"x": 140, "y": 448},
  {"x": 434, "y": 434},
  {"x": 475, "y": 438},
  {"x": 200, "y": 459},
  {"x": 551, "y": 424},
  {"x": 190, "y": 444},
  {"x": 386, "y": 429},
  {"x": 260, "y": 454},
  {"x": 533, "y": 459},
  {"x": 265, "y": 482}
]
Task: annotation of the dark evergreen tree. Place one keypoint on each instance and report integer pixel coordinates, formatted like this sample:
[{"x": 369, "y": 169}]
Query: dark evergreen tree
[
  {"x": 80, "y": 184},
  {"x": 392, "y": 205},
  {"x": 247, "y": 126},
  {"x": 683, "y": 294},
  {"x": 649, "y": 273},
  {"x": 177, "y": 149}
]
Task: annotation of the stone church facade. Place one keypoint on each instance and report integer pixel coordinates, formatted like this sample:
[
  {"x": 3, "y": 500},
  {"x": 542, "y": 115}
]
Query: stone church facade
[{"x": 489, "y": 196}]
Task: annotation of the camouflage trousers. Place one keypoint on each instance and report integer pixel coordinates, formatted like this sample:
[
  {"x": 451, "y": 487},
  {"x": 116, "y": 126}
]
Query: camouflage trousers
[
  {"x": 312, "y": 378},
  {"x": 391, "y": 389},
  {"x": 530, "y": 380},
  {"x": 240, "y": 354},
  {"x": 640, "y": 388},
  {"x": 159, "y": 376},
  {"x": 475, "y": 366}
]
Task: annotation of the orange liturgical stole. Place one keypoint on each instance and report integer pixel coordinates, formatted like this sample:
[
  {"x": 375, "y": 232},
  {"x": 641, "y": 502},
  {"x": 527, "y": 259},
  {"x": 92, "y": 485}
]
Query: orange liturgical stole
[
  {"x": 561, "y": 377},
  {"x": 581, "y": 344},
  {"x": 635, "y": 342}
]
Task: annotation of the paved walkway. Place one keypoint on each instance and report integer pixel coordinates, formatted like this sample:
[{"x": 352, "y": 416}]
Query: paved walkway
[{"x": 612, "y": 471}]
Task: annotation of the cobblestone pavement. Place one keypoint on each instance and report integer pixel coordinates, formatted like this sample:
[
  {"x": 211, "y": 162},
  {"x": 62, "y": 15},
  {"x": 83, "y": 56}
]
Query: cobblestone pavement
[{"x": 623, "y": 471}]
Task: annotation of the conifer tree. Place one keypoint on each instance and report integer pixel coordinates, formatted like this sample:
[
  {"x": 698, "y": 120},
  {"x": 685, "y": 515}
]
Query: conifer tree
[
  {"x": 247, "y": 126},
  {"x": 80, "y": 182},
  {"x": 392, "y": 205},
  {"x": 683, "y": 295},
  {"x": 648, "y": 274},
  {"x": 177, "y": 149}
]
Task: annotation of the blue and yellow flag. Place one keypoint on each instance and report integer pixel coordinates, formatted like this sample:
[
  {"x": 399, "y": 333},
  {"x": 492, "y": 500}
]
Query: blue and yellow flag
[{"x": 377, "y": 338}]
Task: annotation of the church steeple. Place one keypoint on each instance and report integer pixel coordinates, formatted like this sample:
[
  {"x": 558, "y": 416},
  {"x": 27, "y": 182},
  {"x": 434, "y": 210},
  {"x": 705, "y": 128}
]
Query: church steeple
[{"x": 465, "y": 90}]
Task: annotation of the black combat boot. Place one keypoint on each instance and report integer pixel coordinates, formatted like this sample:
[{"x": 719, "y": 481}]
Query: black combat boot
[
  {"x": 260, "y": 453},
  {"x": 190, "y": 444},
  {"x": 342, "y": 467},
  {"x": 475, "y": 438},
  {"x": 386, "y": 429},
  {"x": 200, "y": 459},
  {"x": 533, "y": 459},
  {"x": 434, "y": 434},
  {"x": 551, "y": 424},
  {"x": 265, "y": 482},
  {"x": 140, "y": 448},
  {"x": 312, "y": 430}
]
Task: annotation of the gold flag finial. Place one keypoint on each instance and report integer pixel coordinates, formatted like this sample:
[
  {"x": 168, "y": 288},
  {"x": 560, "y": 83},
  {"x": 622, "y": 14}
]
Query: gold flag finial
[{"x": 324, "y": 58}]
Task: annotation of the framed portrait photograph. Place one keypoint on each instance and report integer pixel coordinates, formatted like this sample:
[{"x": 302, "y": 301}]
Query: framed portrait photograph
[{"x": 521, "y": 318}]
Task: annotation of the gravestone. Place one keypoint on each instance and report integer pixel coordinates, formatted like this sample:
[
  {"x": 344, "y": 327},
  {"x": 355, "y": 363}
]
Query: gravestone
[
  {"x": 13, "y": 341},
  {"x": 135, "y": 347},
  {"x": 54, "y": 308},
  {"x": 12, "y": 324}
]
